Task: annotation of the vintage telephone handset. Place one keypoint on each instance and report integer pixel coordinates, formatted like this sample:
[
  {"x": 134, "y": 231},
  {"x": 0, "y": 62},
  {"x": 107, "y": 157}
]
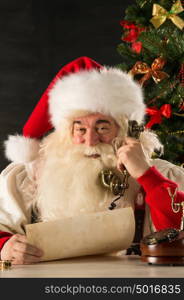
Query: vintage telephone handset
[{"x": 111, "y": 180}]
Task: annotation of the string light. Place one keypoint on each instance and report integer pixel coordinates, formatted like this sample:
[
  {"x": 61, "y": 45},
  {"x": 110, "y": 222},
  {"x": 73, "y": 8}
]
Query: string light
[{"x": 171, "y": 133}]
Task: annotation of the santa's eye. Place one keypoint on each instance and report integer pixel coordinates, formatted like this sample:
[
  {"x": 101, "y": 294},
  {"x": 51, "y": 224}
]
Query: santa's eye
[
  {"x": 79, "y": 130},
  {"x": 102, "y": 129}
]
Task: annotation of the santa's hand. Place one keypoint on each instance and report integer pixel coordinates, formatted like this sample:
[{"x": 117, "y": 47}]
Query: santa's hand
[
  {"x": 19, "y": 251},
  {"x": 131, "y": 155}
]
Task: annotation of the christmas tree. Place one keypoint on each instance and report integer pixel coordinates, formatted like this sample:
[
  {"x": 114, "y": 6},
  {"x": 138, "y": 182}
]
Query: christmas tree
[{"x": 152, "y": 51}]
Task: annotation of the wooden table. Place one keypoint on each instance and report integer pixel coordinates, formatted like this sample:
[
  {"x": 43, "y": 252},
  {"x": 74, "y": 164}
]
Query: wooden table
[{"x": 94, "y": 267}]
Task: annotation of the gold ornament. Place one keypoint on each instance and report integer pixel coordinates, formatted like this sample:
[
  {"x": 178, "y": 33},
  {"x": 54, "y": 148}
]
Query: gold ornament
[
  {"x": 176, "y": 132},
  {"x": 154, "y": 72},
  {"x": 160, "y": 15},
  {"x": 179, "y": 115},
  {"x": 170, "y": 132},
  {"x": 5, "y": 265}
]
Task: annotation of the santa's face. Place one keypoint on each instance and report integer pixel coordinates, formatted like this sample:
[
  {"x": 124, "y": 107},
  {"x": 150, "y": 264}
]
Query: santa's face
[
  {"x": 93, "y": 129},
  {"x": 69, "y": 182}
]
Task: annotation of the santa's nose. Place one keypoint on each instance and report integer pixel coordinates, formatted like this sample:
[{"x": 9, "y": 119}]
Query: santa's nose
[{"x": 91, "y": 138}]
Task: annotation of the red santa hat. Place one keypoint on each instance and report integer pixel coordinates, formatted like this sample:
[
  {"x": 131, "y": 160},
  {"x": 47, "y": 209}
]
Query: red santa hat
[{"x": 83, "y": 84}]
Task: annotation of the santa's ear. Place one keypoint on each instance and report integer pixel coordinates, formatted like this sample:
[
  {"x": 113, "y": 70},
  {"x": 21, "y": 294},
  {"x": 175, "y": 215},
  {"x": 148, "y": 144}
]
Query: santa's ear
[{"x": 20, "y": 149}]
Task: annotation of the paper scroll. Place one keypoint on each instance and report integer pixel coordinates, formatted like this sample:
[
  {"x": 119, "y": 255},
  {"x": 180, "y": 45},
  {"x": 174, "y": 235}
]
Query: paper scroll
[{"x": 89, "y": 234}]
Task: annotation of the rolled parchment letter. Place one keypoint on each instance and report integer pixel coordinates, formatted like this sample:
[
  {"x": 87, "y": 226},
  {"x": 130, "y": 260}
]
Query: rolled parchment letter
[{"x": 84, "y": 234}]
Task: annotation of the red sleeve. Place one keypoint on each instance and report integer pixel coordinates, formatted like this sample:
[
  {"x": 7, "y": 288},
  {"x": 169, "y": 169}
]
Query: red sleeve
[
  {"x": 4, "y": 236},
  {"x": 158, "y": 199}
]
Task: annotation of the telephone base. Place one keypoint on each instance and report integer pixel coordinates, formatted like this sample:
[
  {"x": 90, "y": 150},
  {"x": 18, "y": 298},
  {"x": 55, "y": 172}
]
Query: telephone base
[
  {"x": 163, "y": 260},
  {"x": 164, "y": 247},
  {"x": 166, "y": 253}
]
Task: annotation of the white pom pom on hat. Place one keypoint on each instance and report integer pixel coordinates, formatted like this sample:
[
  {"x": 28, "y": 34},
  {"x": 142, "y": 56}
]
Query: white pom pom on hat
[{"x": 21, "y": 149}]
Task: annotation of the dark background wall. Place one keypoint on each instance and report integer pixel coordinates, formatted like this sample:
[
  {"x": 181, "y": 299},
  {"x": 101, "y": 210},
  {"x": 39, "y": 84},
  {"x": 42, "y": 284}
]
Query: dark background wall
[{"x": 38, "y": 37}]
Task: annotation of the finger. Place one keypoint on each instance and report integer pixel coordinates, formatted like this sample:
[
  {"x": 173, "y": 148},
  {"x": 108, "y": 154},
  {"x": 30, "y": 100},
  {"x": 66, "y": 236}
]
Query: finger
[
  {"x": 21, "y": 238},
  {"x": 18, "y": 261},
  {"x": 124, "y": 149},
  {"x": 20, "y": 258},
  {"x": 14, "y": 237},
  {"x": 130, "y": 140},
  {"x": 28, "y": 249},
  {"x": 120, "y": 166}
]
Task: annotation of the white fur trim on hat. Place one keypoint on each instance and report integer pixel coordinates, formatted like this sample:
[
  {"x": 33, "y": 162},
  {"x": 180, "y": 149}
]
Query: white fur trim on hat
[
  {"x": 21, "y": 149},
  {"x": 107, "y": 91}
]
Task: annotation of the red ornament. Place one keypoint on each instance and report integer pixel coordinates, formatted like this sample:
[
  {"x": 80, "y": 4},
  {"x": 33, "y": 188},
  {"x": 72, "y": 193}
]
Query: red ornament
[
  {"x": 137, "y": 47},
  {"x": 132, "y": 35},
  {"x": 127, "y": 25},
  {"x": 156, "y": 114}
]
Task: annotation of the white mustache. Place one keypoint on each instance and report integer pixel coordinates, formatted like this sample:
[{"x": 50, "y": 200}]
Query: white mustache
[
  {"x": 99, "y": 149},
  {"x": 92, "y": 151}
]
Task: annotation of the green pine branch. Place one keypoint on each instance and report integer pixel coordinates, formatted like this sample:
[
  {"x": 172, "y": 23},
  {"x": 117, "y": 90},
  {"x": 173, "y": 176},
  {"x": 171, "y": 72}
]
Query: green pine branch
[{"x": 153, "y": 44}]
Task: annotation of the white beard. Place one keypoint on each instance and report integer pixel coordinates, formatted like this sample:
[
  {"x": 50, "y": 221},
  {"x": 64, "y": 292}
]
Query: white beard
[{"x": 69, "y": 181}]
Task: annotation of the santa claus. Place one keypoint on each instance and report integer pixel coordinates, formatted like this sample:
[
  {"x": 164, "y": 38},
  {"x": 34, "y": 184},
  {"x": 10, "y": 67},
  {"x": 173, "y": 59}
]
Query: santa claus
[{"x": 56, "y": 174}]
